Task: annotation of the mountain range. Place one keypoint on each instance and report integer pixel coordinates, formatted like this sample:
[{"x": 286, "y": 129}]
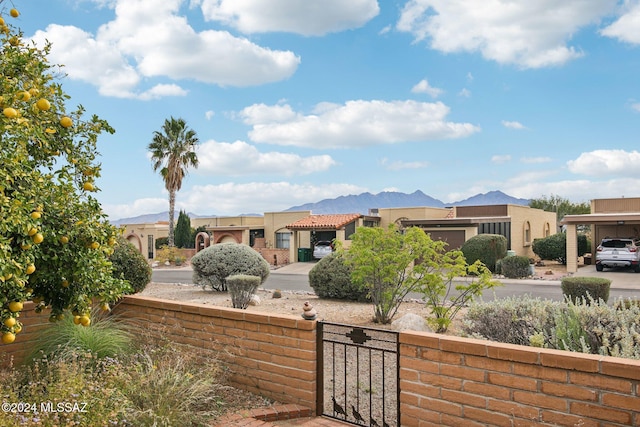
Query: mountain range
[{"x": 361, "y": 203}]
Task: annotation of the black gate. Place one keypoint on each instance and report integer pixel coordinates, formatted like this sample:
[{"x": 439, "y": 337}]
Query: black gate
[{"x": 358, "y": 375}]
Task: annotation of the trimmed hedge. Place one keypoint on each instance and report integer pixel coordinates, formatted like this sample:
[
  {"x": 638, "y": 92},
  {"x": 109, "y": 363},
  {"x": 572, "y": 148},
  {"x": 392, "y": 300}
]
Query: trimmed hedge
[
  {"x": 514, "y": 267},
  {"x": 488, "y": 248},
  {"x": 577, "y": 288}
]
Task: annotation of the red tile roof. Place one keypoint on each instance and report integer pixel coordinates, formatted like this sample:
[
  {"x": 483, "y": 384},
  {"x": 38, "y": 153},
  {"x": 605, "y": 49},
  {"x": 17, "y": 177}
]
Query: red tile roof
[{"x": 334, "y": 222}]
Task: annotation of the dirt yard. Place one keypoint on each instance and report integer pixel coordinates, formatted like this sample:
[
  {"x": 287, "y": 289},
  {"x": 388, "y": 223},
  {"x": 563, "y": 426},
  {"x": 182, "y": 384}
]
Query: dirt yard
[{"x": 291, "y": 303}]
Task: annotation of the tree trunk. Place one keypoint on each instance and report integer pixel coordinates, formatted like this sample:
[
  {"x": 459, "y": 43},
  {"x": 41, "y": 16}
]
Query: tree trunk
[{"x": 172, "y": 210}]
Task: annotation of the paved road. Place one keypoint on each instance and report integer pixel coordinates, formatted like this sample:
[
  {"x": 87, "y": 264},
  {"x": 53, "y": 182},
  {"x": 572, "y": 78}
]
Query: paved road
[{"x": 294, "y": 278}]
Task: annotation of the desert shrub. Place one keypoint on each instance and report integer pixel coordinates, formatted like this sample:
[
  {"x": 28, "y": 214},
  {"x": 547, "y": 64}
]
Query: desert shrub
[
  {"x": 169, "y": 254},
  {"x": 129, "y": 264},
  {"x": 242, "y": 287},
  {"x": 588, "y": 327},
  {"x": 161, "y": 242},
  {"x": 486, "y": 248},
  {"x": 157, "y": 384},
  {"x": 511, "y": 320},
  {"x": 568, "y": 332},
  {"x": 212, "y": 266},
  {"x": 514, "y": 267},
  {"x": 587, "y": 288},
  {"x": 331, "y": 278},
  {"x": 169, "y": 387},
  {"x": 62, "y": 340}
]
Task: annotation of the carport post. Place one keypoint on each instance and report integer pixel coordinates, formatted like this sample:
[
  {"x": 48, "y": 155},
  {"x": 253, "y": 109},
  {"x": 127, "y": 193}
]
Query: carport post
[{"x": 572, "y": 248}]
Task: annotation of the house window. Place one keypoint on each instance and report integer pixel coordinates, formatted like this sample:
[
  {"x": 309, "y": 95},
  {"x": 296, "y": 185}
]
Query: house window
[
  {"x": 283, "y": 240},
  {"x": 150, "y": 246},
  {"x": 527, "y": 233}
]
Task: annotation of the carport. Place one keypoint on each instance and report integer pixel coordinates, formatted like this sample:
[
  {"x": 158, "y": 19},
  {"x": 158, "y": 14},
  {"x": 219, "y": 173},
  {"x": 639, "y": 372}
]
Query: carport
[{"x": 602, "y": 225}]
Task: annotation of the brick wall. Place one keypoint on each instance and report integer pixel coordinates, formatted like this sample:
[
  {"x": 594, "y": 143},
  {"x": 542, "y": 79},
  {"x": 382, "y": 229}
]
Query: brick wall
[
  {"x": 275, "y": 256},
  {"x": 274, "y": 356},
  {"x": 444, "y": 380},
  {"x": 455, "y": 381}
]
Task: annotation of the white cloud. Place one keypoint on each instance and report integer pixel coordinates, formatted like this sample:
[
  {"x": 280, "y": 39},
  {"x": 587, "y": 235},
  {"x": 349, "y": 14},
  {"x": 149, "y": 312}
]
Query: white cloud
[
  {"x": 400, "y": 165},
  {"x": 529, "y": 34},
  {"x": 501, "y": 158},
  {"x": 536, "y": 159},
  {"x": 309, "y": 18},
  {"x": 513, "y": 125},
  {"x": 423, "y": 87},
  {"x": 209, "y": 114},
  {"x": 466, "y": 93},
  {"x": 160, "y": 91},
  {"x": 239, "y": 158},
  {"x": 606, "y": 162},
  {"x": 135, "y": 208},
  {"x": 627, "y": 27},
  {"x": 259, "y": 197},
  {"x": 636, "y": 106},
  {"x": 354, "y": 124},
  {"x": 147, "y": 39}
]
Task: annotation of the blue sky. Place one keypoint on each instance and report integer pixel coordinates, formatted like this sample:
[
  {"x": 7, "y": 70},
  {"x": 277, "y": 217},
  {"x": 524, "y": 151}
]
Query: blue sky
[{"x": 295, "y": 101}]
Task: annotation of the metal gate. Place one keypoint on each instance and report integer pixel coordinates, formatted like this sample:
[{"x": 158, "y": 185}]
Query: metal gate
[{"x": 358, "y": 375}]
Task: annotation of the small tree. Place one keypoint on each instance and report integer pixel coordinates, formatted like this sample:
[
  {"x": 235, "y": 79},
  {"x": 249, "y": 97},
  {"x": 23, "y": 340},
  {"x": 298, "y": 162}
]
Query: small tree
[
  {"x": 212, "y": 266},
  {"x": 390, "y": 265},
  {"x": 183, "y": 232}
]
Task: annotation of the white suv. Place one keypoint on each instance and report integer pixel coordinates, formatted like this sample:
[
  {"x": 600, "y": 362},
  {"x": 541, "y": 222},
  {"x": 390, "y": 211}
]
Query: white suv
[{"x": 616, "y": 252}]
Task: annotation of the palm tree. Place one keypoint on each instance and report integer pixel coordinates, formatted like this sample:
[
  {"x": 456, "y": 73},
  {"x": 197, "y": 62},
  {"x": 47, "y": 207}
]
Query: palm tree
[{"x": 173, "y": 151}]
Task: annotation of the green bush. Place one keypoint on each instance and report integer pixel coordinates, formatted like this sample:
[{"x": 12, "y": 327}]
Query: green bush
[
  {"x": 514, "y": 267},
  {"x": 587, "y": 288},
  {"x": 242, "y": 287},
  {"x": 129, "y": 264},
  {"x": 212, "y": 266},
  {"x": 331, "y": 278},
  {"x": 554, "y": 247},
  {"x": 487, "y": 248}
]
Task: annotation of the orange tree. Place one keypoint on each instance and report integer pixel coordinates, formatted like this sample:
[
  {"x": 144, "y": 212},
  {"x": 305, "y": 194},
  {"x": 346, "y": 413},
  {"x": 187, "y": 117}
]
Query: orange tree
[{"x": 54, "y": 238}]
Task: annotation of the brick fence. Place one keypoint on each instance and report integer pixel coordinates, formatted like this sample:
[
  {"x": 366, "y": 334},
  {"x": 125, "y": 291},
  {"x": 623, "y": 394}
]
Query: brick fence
[
  {"x": 444, "y": 380},
  {"x": 273, "y": 356}
]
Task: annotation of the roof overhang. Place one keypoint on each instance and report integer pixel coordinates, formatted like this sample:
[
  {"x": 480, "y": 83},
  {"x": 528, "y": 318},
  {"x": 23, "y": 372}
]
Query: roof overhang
[
  {"x": 603, "y": 219},
  {"x": 453, "y": 222}
]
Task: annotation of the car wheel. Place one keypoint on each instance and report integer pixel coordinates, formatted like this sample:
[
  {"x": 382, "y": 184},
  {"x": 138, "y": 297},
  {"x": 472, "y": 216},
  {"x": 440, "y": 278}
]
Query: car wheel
[{"x": 599, "y": 267}]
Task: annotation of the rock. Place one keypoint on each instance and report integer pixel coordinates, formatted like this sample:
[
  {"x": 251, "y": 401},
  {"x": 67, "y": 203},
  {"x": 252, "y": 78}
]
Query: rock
[
  {"x": 308, "y": 312},
  {"x": 277, "y": 293},
  {"x": 255, "y": 300},
  {"x": 411, "y": 322}
]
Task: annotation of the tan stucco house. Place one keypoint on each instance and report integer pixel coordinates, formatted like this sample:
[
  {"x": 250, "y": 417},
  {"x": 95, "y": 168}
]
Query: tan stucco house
[{"x": 283, "y": 237}]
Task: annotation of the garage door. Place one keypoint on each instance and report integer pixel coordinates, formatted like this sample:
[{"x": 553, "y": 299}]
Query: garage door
[{"x": 455, "y": 238}]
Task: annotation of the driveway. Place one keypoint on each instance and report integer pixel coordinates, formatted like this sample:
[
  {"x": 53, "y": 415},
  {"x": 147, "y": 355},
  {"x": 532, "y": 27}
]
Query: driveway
[{"x": 620, "y": 278}]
